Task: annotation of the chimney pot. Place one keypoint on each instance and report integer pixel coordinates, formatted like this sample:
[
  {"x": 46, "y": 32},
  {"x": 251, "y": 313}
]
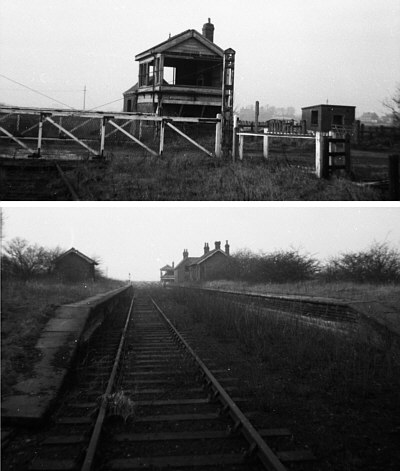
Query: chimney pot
[
  {"x": 227, "y": 248},
  {"x": 217, "y": 245},
  {"x": 208, "y": 30}
]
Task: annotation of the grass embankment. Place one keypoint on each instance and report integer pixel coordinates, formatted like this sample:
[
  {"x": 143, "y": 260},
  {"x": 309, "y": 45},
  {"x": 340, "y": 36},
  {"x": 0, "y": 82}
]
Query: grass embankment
[
  {"x": 343, "y": 291},
  {"x": 338, "y": 394},
  {"x": 184, "y": 173},
  {"x": 25, "y": 309},
  {"x": 379, "y": 301}
]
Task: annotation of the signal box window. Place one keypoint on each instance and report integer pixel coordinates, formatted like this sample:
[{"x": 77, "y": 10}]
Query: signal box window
[{"x": 314, "y": 117}]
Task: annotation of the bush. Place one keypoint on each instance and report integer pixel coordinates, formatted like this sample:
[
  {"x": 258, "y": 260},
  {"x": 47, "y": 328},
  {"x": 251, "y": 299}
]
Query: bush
[
  {"x": 378, "y": 264},
  {"x": 276, "y": 267}
]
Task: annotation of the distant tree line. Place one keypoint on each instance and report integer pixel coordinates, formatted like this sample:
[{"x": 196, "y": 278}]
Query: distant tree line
[
  {"x": 377, "y": 264},
  {"x": 267, "y": 112}
]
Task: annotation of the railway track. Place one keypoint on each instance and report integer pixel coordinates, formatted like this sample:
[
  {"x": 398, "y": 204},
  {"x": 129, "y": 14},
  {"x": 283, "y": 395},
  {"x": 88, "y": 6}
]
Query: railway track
[
  {"x": 144, "y": 400},
  {"x": 36, "y": 180}
]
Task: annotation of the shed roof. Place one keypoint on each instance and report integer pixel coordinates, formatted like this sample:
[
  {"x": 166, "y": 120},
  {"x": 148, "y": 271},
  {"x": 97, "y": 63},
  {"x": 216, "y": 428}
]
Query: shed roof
[
  {"x": 328, "y": 106},
  {"x": 172, "y": 42},
  {"x": 79, "y": 254},
  {"x": 132, "y": 89}
]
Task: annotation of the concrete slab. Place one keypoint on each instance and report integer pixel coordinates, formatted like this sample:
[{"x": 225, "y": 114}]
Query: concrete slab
[
  {"x": 34, "y": 396},
  {"x": 57, "y": 339},
  {"x": 71, "y": 311},
  {"x": 72, "y": 324}
]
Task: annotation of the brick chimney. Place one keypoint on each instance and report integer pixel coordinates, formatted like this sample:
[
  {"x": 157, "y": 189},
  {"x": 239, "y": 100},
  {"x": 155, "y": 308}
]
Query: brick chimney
[
  {"x": 217, "y": 245},
  {"x": 227, "y": 248},
  {"x": 208, "y": 30},
  {"x": 185, "y": 254},
  {"x": 206, "y": 248}
]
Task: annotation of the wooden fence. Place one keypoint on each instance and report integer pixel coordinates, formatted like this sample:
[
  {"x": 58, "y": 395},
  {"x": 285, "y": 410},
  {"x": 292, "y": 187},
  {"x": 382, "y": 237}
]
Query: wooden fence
[{"x": 91, "y": 130}]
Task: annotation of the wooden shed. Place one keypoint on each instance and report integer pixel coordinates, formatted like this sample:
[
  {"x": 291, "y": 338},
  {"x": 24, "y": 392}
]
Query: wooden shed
[
  {"x": 325, "y": 118},
  {"x": 74, "y": 266},
  {"x": 181, "y": 76}
]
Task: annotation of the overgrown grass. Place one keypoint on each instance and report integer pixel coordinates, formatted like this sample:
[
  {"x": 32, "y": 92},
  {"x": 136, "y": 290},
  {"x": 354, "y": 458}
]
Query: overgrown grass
[
  {"x": 344, "y": 366},
  {"x": 25, "y": 309},
  {"x": 184, "y": 173}
]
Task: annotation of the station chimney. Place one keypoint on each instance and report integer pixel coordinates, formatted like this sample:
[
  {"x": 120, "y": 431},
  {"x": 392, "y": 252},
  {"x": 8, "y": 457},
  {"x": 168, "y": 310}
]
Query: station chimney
[{"x": 208, "y": 30}]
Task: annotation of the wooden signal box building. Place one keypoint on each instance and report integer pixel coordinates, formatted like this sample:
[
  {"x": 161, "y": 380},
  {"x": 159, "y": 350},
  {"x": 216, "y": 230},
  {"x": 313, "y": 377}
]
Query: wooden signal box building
[{"x": 181, "y": 76}]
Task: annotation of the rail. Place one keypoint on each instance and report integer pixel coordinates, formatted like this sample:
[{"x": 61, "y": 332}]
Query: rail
[
  {"x": 94, "y": 440},
  {"x": 257, "y": 445}
]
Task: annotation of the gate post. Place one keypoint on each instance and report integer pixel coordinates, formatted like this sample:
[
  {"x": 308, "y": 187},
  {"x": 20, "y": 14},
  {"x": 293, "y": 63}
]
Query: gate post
[
  {"x": 265, "y": 144},
  {"x": 162, "y": 131},
  {"x": 234, "y": 137},
  {"x": 241, "y": 146},
  {"x": 218, "y": 136},
  {"x": 103, "y": 136},
  {"x": 228, "y": 74},
  {"x": 321, "y": 155},
  {"x": 40, "y": 134}
]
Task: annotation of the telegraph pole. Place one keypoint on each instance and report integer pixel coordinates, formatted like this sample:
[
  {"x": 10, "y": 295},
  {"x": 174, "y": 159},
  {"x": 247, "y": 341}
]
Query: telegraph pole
[{"x": 84, "y": 97}]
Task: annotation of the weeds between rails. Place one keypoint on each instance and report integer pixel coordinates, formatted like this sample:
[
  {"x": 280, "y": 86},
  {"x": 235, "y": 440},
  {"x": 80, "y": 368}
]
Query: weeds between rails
[{"x": 336, "y": 391}]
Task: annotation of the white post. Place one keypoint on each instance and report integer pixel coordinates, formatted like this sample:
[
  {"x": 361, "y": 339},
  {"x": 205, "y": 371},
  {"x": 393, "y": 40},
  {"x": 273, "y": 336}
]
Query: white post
[
  {"x": 241, "y": 144},
  {"x": 234, "y": 137},
  {"x": 265, "y": 144},
  {"x": 218, "y": 136},
  {"x": 162, "y": 131},
  {"x": 318, "y": 153},
  {"x": 40, "y": 133},
  {"x": 103, "y": 136}
]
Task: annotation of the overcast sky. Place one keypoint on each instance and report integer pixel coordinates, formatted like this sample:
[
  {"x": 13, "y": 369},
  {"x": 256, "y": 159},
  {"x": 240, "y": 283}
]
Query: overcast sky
[
  {"x": 288, "y": 52},
  {"x": 140, "y": 240}
]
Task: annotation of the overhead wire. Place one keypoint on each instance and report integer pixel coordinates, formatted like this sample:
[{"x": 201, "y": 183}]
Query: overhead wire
[{"x": 36, "y": 91}]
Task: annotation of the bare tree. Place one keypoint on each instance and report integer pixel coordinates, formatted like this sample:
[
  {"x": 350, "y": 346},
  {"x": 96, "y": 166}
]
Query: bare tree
[
  {"x": 25, "y": 261},
  {"x": 393, "y": 104}
]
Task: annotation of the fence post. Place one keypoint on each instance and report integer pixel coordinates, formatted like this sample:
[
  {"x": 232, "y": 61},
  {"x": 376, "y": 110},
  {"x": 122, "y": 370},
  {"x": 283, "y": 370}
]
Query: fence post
[
  {"x": 162, "y": 132},
  {"x": 318, "y": 153},
  {"x": 234, "y": 137},
  {"x": 218, "y": 136},
  {"x": 140, "y": 129},
  {"x": 40, "y": 134},
  {"x": 103, "y": 136},
  {"x": 321, "y": 155},
  {"x": 394, "y": 190},
  {"x": 241, "y": 145},
  {"x": 265, "y": 144}
]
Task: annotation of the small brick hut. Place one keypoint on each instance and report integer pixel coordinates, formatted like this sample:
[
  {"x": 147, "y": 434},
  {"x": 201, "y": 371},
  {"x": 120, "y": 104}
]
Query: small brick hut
[
  {"x": 73, "y": 265},
  {"x": 326, "y": 117}
]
